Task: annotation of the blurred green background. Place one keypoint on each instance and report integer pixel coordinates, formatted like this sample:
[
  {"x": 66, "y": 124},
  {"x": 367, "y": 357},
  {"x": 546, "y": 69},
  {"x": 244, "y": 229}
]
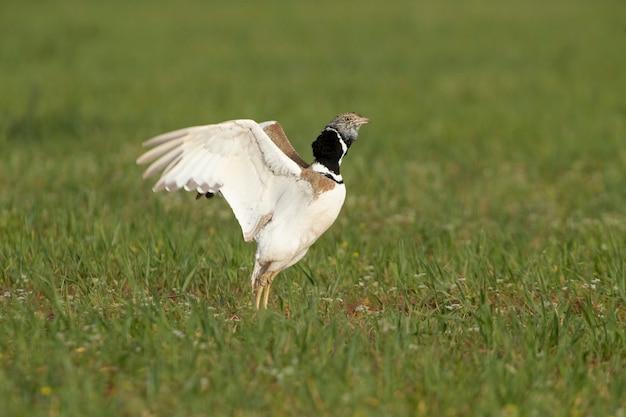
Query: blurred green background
[{"x": 524, "y": 89}]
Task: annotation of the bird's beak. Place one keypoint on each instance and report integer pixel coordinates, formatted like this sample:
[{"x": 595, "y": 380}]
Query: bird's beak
[{"x": 364, "y": 121}]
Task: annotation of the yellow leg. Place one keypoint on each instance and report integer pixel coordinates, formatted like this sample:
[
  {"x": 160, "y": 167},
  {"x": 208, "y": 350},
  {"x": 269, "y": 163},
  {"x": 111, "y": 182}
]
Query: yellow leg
[
  {"x": 263, "y": 284},
  {"x": 267, "y": 294},
  {"x": 259, "y": 291}
]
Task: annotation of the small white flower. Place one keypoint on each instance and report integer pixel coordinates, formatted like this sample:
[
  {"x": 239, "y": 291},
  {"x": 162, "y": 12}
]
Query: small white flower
[
  {"x": 386, "y": 327},
  {"x": 204, "y": 382}
]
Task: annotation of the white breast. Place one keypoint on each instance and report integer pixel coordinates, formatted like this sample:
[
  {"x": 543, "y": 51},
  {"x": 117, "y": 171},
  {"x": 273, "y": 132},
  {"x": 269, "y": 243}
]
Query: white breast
[{"x": 301, "y": 219}]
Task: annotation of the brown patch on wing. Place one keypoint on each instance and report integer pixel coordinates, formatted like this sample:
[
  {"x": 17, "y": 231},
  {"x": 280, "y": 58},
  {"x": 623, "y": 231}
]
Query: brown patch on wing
[
  {"x": 277, "y": 135},
  {"x": 319, "y": 182},
  {"x": 260, "y": 225}
]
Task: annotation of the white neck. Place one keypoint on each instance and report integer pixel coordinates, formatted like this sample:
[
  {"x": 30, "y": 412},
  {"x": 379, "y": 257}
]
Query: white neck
[{"x": 317, "y": 167}]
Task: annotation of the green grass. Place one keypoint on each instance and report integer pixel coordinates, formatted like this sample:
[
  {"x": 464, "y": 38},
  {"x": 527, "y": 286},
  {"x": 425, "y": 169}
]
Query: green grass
[{"x": 477, "y": 269}]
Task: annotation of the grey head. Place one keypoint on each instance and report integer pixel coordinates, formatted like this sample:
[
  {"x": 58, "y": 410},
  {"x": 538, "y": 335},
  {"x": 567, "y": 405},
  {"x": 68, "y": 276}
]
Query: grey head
[{"x": 348, "y": 124}]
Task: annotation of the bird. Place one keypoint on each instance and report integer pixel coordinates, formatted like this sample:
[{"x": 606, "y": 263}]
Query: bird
[{"x": 280, "y": 201}]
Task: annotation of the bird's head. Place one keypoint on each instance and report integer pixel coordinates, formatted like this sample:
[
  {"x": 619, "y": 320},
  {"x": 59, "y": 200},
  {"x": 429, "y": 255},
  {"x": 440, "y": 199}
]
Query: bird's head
[
  {"x": 333, "y": 143},
  {"x": 348, "y": 124}
]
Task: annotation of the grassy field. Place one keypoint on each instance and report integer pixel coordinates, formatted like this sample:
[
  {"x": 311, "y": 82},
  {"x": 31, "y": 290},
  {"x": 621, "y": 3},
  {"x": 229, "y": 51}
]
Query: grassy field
[{"x": 478, "y": 266}]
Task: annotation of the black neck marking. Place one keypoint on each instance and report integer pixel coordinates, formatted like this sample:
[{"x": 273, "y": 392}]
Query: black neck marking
[
  {"x": 329, "y": 148},
  {"x": 322, "y": 169},
  {"x": 338, "y": 181}
]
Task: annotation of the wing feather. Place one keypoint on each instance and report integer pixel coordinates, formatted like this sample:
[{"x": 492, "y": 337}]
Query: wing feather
[
  {"x": 160, "y": 163},
  {"x": 166, "y": 137},
  {"x": 236, "y": 158}
]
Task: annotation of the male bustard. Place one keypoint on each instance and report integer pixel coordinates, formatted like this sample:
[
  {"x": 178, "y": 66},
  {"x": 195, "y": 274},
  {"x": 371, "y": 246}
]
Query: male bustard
[{"x": 279, "y": 200}]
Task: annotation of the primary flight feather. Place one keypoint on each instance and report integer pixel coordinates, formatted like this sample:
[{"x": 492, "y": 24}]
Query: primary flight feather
[{"x": 278, "y": 199}]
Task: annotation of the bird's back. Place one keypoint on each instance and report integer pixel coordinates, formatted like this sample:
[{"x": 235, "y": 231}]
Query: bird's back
[{"x": 276, "y": 133}]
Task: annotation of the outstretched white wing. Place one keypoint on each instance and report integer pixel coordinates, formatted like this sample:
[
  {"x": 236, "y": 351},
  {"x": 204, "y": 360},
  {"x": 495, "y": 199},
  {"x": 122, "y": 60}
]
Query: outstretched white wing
[{"x": 236, "y": 158}]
